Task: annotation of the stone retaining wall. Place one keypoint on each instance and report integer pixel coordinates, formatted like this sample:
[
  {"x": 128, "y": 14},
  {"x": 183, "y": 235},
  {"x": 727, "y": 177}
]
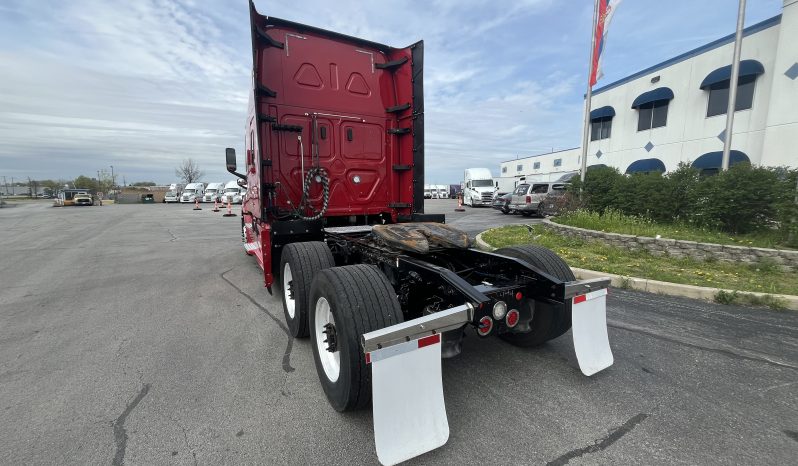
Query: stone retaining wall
[{"x": 787, "y": 260}]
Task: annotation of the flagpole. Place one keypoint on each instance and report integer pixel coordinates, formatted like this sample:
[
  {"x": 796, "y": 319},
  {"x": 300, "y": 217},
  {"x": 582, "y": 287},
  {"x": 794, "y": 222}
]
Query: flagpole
[
  {"x": 589, "y": 93},
  {"x": 738, "y": 42}
]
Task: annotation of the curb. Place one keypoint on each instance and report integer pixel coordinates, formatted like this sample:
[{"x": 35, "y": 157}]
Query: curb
[{"x": 659, "y": 287}]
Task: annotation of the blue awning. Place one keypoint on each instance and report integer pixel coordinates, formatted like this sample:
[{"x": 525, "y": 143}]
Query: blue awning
[
  {"x": 646, "y": 166},
  {"x": 661, "y": 93},
  {"x": 747, "y": 68},
  {"x": 603, "y": 112},
  {"x": 712, "y": 160}
]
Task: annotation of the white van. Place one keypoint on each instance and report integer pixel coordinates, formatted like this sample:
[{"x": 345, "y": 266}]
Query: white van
[
  {"x": 213, "y": 192},
  {"x": 478, "y": 187},
  {"x": 192, "y": 192}
]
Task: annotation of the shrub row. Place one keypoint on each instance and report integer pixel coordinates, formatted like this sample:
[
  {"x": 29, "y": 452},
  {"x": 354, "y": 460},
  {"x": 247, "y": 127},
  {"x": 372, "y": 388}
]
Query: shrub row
[{"x": 742, "y": 200}]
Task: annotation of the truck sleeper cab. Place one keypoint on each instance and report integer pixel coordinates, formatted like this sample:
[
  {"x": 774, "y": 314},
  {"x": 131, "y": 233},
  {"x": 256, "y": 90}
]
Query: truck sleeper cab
[{"x": 334, "y": 214}]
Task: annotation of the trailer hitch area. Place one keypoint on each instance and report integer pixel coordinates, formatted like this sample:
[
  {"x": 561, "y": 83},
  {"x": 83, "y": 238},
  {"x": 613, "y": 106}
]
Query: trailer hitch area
[
  {"x": 407, "y": 389},
  {"x": 589, "y": 323}
]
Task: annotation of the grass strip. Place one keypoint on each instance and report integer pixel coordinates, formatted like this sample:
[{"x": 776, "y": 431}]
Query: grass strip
[
  {"x": 614, "y": 221},
  {"x": 765, "y": 277}
]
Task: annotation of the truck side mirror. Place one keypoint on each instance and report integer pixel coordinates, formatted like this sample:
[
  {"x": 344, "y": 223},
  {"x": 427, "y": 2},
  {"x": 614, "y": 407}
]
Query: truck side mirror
[{"x": 230, "y": 155}]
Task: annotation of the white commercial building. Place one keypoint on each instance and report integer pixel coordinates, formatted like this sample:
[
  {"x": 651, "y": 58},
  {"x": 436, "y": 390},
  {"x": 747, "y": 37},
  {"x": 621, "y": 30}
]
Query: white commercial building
[{"x": 675, "y": 112}]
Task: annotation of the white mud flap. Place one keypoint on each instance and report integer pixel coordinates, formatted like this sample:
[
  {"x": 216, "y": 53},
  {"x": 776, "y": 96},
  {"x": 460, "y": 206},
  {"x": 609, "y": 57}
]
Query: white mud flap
[
  {"x": 407, "y": 397},
  {"x": 589, "y": 328}
]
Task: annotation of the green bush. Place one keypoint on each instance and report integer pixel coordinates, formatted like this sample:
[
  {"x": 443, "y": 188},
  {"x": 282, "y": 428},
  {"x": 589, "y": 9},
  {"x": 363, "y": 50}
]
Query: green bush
[
  {"x": 599, "y": 189},
  {"x": 742, "y": 200}
]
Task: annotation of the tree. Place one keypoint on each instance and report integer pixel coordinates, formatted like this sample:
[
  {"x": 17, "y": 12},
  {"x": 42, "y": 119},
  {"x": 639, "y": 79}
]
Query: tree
[
  {"x": 189, "y": 171},
  {"x": 84, "y": 182},
  {"x": 143, "y": 183}
]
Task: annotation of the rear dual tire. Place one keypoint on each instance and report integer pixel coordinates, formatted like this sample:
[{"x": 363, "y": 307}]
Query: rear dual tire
[
  {"x": 549, "y": 321},
  {"x": 348, "y": 302},
  {"x": 298, "y": 265}
]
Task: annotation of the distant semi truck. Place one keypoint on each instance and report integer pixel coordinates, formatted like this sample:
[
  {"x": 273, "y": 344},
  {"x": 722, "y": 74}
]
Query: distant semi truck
[
  {"x": 192, "y": 192},
  {"x": 213, "y": 192},
  {"x": 478, "y": 187}
]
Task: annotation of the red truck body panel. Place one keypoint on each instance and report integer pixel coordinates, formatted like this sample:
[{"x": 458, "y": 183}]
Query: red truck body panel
[{"x": 350, "y": 106}]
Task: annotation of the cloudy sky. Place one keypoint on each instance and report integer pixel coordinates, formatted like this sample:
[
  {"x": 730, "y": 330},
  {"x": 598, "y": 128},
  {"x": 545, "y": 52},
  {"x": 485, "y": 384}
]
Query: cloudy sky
[{"x": 141, "y": 85}]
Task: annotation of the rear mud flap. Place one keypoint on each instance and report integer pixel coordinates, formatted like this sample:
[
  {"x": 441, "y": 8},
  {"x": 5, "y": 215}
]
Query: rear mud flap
[
  {"x": 407, "y": 398},
  {"x": 589, "y": 328}
]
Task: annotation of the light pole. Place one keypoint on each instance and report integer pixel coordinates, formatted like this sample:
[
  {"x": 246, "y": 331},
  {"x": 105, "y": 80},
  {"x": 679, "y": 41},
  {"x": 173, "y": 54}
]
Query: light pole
[
  {"x": 113, "y": 180},
  {"x": 732, "y": 104}
]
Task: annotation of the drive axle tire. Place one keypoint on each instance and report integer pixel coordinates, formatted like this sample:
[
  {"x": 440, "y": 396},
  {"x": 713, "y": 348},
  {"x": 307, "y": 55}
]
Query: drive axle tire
[
  {"x": 298, "y": 265},
  {"x": 345, "y": 303},
  {"x": 549, "y": 321}
]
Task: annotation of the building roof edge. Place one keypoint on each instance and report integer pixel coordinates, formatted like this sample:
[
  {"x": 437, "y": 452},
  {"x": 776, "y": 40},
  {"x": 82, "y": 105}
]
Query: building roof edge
[{"x": 754, "y": 28}]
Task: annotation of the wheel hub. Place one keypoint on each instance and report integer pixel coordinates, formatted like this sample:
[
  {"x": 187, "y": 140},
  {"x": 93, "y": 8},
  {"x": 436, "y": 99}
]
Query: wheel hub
[{"x": 331, "y": 340}]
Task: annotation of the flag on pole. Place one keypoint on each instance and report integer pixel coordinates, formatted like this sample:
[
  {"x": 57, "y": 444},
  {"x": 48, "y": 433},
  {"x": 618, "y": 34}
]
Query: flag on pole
[{"x": 606, "y": 10}]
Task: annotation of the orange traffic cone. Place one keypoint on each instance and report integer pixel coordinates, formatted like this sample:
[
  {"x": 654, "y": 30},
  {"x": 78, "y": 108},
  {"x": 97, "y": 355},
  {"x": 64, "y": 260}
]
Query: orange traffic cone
[
  {"x": 196, "y": 204},
  {"x": 229, "y": 209},
  {"x": 459, "y": 203},
  {"x": 215, "y": 205}
]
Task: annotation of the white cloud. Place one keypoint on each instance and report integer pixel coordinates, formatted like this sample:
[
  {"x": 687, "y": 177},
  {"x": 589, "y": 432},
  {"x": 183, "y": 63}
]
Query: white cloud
[{"x": 144, "y": 84}]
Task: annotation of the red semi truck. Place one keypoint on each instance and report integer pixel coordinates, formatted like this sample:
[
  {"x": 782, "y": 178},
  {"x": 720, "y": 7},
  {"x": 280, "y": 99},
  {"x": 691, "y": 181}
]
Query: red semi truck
[{"x": 334, "y": 212}]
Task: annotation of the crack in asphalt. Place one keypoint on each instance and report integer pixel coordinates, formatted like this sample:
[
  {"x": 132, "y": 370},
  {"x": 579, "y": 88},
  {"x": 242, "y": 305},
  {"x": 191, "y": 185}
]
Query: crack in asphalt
[
  {"x": 286, "y": 363},
  {"x": 188, "y": 445},
  {"x": 120, "y": 434},
  {"x": 602, "y": 443},
  {"x": 718, "y": 348}
]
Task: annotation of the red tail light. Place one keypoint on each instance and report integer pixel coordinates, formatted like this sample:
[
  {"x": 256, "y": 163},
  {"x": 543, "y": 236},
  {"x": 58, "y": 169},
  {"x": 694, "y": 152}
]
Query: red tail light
[
  {"x": 485, "y": 326},
  {"x": 529, "y": 199},
  {"x": 512, "y": 318}
]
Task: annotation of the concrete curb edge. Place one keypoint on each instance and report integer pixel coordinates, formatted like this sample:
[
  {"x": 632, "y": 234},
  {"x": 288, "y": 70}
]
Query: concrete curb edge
[{"x": 656, "y": 286}]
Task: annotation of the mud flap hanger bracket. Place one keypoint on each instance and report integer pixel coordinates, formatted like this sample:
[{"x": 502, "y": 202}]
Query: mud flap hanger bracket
[
  {"x": 580, "y": 287},
  {"x": 418, "y": 328}
]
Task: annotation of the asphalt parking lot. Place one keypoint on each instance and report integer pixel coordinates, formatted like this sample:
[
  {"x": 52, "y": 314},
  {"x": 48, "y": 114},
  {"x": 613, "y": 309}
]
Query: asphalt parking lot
[{"x": 142, "y": 334}]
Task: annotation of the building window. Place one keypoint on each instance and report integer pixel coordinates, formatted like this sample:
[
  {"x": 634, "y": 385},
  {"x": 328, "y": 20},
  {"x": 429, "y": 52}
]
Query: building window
[
  {"x": 519, "y": 168},
  {"x": 652, "y": 115},
  {"x": 600, "y": 128},
  {"x": 719, "y": 96},
  {"x": 536, "y": 166},
  {"x": 557, "y": 162},
  {"x": 504, "y": 169}
]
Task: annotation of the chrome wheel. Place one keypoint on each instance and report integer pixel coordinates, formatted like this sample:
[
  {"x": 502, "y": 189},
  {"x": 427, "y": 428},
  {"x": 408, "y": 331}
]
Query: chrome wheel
[
  {"x": 326, "y": 345},
  {"x": 290, "y": 303}
]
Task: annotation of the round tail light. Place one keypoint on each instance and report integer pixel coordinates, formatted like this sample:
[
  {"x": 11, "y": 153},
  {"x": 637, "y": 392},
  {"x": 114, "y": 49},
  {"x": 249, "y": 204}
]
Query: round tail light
[
  {"x": 512, "y": 318},
  {"x": 499, "y": 310},
  {"x": 485, "y": 326}
]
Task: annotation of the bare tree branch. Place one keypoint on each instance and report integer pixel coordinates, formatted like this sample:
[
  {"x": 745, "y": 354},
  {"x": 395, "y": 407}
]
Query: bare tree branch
[{"x": 189, "y": 171}]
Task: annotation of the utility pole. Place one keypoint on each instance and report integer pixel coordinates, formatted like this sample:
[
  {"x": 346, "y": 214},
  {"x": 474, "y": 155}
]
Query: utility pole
[
  {"x": 589, "y": 94},
  {"x": 113, "y": 180},
  {"x": 738, "y": 42}
]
